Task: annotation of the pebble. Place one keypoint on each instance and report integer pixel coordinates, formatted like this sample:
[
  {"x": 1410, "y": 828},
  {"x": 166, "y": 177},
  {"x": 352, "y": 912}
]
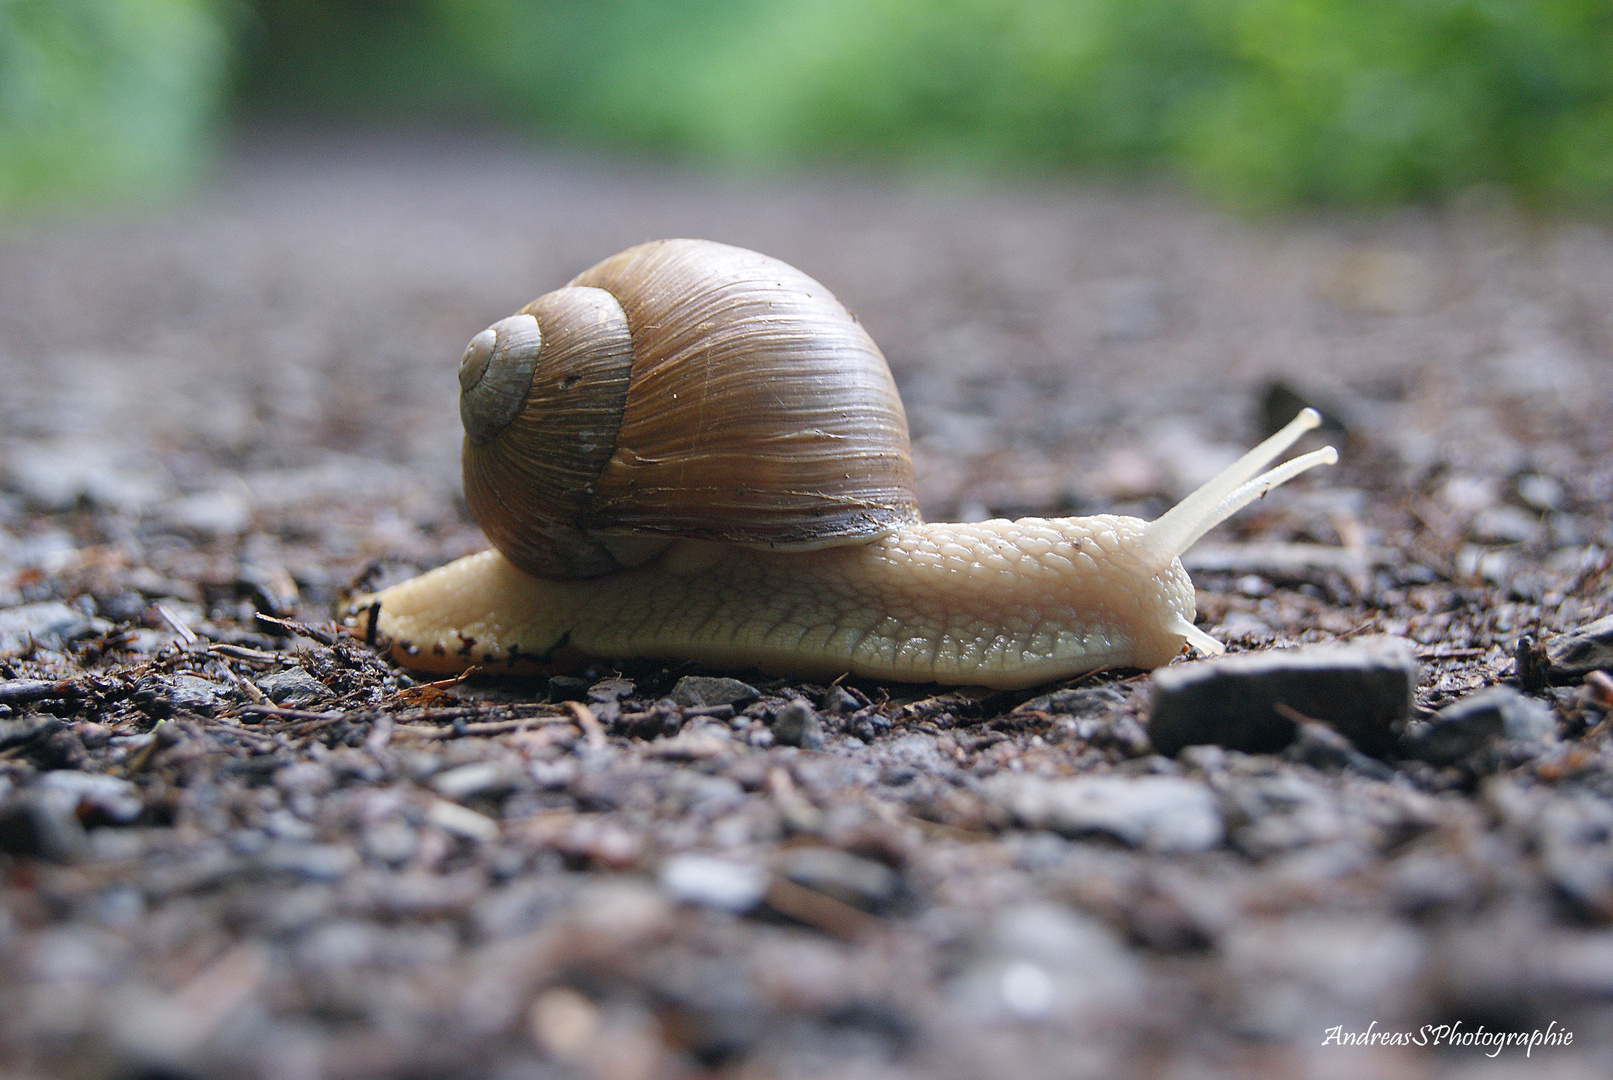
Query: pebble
[
  {"x": 219, "y": 512},
  {"x": 712, "y": 882},
  {"x": 35, "y": 824},
  {"x": 1155, "y": 813},
  {"x": 1040, "y": 961},
  {"x": 568, "y": 688},
  {"x": 477, "y": 778},
  {"x": 191, "y": 693},
  {"x": 59, "y": 474},
  {"x": 116, "y": 798},
  {"x": 1573, "y": 835},
  {"x": 1479, "y": 722},
  {"x": 195, "y": 693},
  {"x": 694, "y": 691},
  {"x": 796, "y": 724},
  {"x": 1582, "y": 651},
  {"x": 26, "y": 729},
  {"x": 1079, "y": 701},
  {"x": 391, "y": 841},
  {"x": 462, "y": 821},
  {"x": 1541, "y": 492},
  {"x": 312, "y": 862},
  {"x": 294, "y": 688},
  {"x": 1320, "y": 747},
  {"x": 1362, "y": 689},
  {"x": 564, "y": 1023},
  {"x": 49, "y": 624}
]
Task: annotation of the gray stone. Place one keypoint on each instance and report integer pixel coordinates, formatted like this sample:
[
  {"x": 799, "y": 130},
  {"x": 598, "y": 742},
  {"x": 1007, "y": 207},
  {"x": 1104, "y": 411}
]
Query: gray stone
[
  {"x": 49, "y": 624},
  {"x": 1320, "y": 747},
  {"x": 1041, "y": 961},
  {"x": 1480, "y": 722},
  {"x": 294, "y": 688},
  {"x": 116, "y": 798},
  {"x": 1362, "y": 689},
  {"x": 194, "y": 693},
  {"x": 1573, "y": 830},
  {"x": 568, "y": 688},
  {"x": 1155, "y": 813},
  {"x": 42, "y": 825},
  {"x": 26, "y": 729},
  {"x": 1582, "y": 651},
  {"x": 162, "y": 694},
  {"x": 1078, "y": 701},
  {"x": 796, "y": 724},
  {"x": 311, "y": 862},
  {"x": 694, "y": 691},
  {"x": 713, "y": 882},
  {"x": 477, "y": 778}
]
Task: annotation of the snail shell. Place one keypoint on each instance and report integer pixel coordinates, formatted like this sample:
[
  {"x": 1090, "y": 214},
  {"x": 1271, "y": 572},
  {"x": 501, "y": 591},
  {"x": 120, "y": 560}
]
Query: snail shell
[{"x": 682, "y": 388}]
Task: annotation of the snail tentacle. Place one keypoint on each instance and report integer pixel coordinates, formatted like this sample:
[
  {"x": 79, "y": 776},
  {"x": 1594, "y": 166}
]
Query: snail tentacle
[{"x": 1235, "y": 487}]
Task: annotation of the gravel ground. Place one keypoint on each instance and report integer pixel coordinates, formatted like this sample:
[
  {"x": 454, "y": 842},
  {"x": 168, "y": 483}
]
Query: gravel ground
[{"x": 234, "y": 843}]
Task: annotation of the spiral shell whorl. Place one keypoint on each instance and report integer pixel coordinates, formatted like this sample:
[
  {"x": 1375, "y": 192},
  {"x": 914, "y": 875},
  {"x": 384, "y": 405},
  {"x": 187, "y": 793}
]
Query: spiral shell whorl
[
  {"x": 530, "y": 482},
  {"x": 494, "y": 375}
]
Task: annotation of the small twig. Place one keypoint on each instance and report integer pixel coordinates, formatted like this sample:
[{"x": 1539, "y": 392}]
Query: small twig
[
  {"x": 186, "y": 634},
  {"x": 819, "y": 910},
  {"x": 714, "y": 712},
  {"x": 490, "y": 727},
  {"x": 324, "y": 637},
  {"x": 1288, "y": 712},
  {"x": 591, "y": 729},
  {"x": 315, "y": 725},
  {"x": 241, "y": 652},
  {"x": 22, "y": 691},
  {"x": 278, "y": 713}
]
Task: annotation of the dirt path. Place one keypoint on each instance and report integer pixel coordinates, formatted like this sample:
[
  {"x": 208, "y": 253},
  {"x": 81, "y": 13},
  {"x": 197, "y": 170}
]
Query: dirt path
[{"x": 232, "y": 849}]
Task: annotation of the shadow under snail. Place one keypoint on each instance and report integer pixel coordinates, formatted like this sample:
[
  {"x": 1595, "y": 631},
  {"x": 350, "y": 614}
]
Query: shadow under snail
[{"x": 694, "y": 452}]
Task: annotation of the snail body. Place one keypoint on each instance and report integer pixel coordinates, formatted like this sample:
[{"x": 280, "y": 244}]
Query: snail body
[{"x": 753, "y": 504}]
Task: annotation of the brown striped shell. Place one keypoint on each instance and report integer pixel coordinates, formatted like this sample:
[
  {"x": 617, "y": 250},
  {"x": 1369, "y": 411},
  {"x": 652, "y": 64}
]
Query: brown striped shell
[{"x": 682, "y": 388}]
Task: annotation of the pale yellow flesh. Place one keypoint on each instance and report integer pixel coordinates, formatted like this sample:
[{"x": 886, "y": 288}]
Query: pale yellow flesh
[{"x": 1002, "y": 603}]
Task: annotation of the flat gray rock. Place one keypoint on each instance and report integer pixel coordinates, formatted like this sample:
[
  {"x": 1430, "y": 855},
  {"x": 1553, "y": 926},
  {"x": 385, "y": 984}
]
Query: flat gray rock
[
  {"x": 1582, "y": 651},
  {"x": 797, "y": 724},
  {"x": 294, "y": 688},
  {"x": 49, "y": 624},
  {"x": 1362, "y": 689},
  {"x": 1155, "y": 813},
  {"x": 1479, "y": 722},
  {"x": 694, "y": 691}
]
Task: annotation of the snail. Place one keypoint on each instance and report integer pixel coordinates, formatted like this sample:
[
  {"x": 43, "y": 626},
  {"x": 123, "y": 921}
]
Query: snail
[{"x": 694, "y": 452}]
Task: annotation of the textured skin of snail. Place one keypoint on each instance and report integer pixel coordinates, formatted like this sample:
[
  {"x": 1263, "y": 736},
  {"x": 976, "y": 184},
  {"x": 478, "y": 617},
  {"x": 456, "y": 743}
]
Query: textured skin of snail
[{"x": 1001, "y": 604}]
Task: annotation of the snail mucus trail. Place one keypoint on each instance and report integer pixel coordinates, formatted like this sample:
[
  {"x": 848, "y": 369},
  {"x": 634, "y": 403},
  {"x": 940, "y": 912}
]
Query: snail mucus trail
[{"x": 694, "y": 452}]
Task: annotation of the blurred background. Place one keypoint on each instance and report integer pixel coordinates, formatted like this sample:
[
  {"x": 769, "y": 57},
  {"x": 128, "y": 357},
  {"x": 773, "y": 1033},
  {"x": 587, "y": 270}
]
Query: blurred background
[{"x": 1260, "y": 103}]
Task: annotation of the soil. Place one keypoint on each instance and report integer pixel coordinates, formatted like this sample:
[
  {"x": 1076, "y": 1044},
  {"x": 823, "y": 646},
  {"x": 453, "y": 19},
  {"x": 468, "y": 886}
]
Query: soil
[{"x": 235, "y": 842}]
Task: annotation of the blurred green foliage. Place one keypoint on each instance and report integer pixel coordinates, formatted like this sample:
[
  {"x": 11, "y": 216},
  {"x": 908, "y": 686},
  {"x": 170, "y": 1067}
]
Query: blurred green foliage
[
  {"x": 1267, "y": 102},
  {"x": 106, "y": 98},
  {"x": 1261, "y": 102}
]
